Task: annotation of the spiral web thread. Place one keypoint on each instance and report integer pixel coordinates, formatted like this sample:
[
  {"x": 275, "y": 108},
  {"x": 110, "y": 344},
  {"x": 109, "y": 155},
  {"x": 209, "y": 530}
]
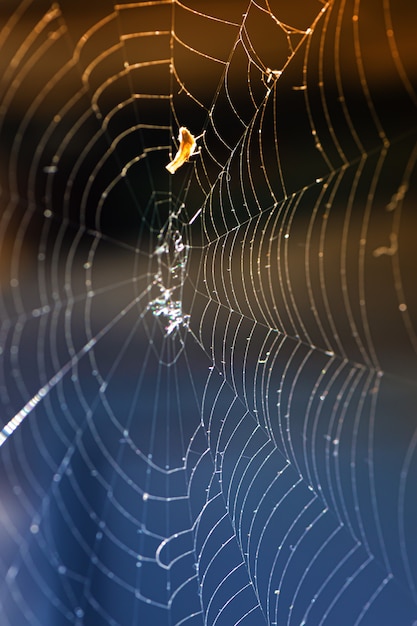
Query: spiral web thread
[{"x": 208, "y": 378}]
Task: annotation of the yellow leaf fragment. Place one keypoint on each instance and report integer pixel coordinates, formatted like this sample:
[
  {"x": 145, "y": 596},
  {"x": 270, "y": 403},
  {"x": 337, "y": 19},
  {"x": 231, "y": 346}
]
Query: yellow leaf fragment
[{"x": 186, "y": 149}]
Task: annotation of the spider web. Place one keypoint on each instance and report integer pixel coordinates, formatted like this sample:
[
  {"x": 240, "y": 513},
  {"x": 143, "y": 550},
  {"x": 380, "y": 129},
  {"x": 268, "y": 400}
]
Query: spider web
[{"x": 208, "y": 379}]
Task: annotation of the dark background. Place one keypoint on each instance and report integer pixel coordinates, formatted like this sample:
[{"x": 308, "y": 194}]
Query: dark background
[{"x": 258, "y": 465}]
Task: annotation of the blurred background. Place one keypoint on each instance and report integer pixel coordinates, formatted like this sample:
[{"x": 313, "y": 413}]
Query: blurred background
[{"x": 214, "y": 372}]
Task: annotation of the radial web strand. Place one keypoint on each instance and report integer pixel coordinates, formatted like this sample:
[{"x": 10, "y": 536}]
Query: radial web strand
[{"x": 208, "y": 374}]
